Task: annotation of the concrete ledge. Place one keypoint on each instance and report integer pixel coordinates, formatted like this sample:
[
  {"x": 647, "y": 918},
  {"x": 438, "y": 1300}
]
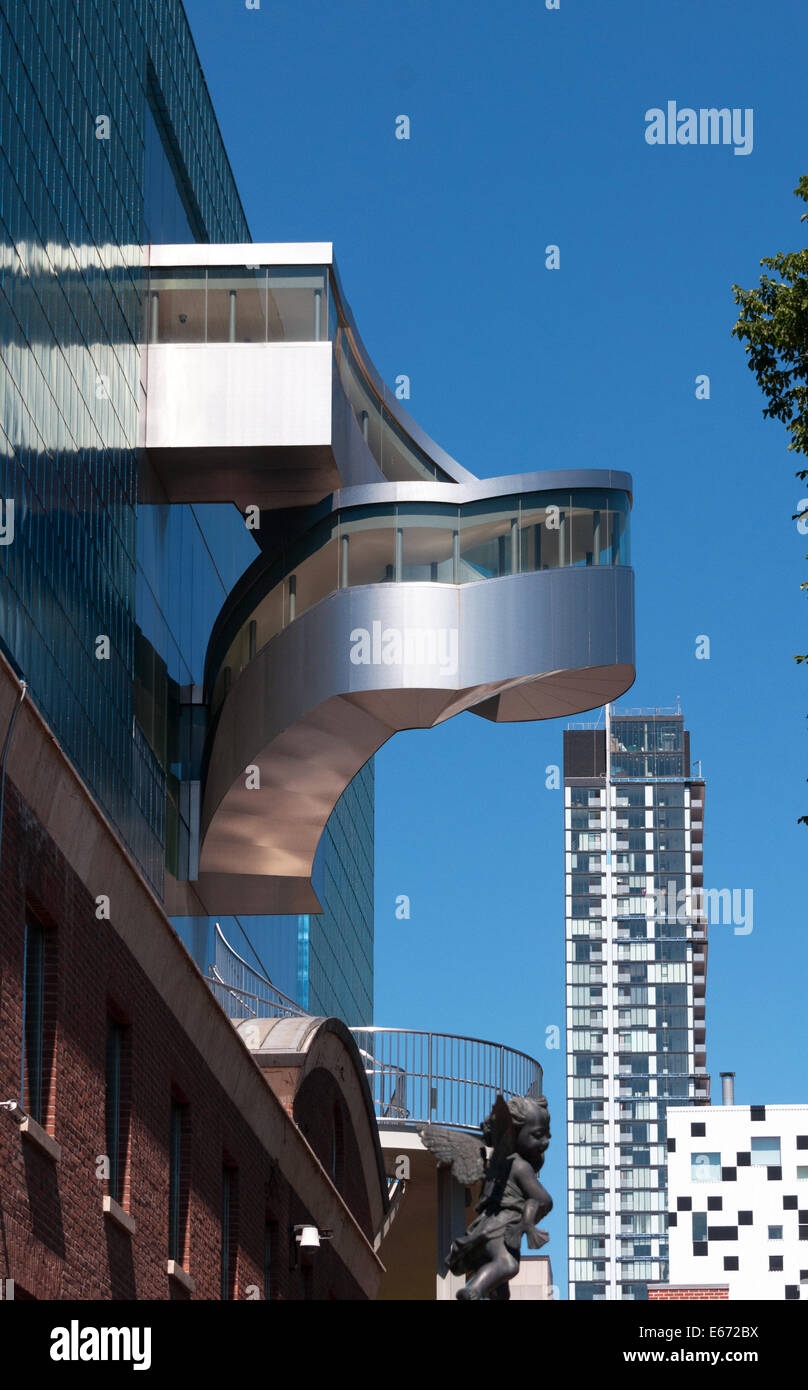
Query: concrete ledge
[
  {"x": 43, "y": 1141},
  {"x": 119, "y": 1216},
  {"x": 174, "y": 1270}
]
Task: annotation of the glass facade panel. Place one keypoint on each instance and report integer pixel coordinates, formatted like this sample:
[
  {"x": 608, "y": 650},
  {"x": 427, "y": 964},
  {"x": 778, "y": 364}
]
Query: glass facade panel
[
  {"x": 705, "y": 1167},
  {"x": 765, "y": 1152},
  {"x": 88, "y": 558},
  {"x": 297, "y": 304},
  {"x": 429, "y": 544},
  {"x": 177, "y": 306},
  {"x": 236, "y": 305},
  {"x": 368, "y": 546},
  {"x": 489, "y": 539}
]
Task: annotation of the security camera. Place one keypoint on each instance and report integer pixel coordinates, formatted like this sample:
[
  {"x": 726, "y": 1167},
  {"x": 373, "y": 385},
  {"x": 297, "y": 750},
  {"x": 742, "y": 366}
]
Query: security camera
[{"x": 15, "y": 1110}]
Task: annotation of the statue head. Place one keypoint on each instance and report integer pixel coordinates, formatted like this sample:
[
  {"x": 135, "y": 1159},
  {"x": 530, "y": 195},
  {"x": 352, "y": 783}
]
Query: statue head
[
  {"x": 531, "y": 1120},
  {"x": 531, "y": 1128}
]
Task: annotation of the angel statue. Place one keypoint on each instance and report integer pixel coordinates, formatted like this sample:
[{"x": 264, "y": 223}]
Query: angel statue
[{"x": 514, "y": 1139}]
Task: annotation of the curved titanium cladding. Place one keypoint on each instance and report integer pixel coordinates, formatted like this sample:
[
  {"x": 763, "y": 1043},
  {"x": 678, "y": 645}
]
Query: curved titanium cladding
[
  {"x": 395, "y": 589},
  {"x": 412, "y": 541},
  {"x": 320, "y": 696}
]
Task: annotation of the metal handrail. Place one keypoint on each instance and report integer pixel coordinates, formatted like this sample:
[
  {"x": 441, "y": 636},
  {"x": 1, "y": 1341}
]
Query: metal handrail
[
  {"x": 234, "y": 978},
  {"x": 415, "y": 1077},
  {"x": 419, "y": 1077}
]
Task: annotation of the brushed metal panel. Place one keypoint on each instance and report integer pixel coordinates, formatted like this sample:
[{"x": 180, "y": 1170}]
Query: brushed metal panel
[
  {"x": 238, "y": 395},
  {"x": 540, "y": 645}
]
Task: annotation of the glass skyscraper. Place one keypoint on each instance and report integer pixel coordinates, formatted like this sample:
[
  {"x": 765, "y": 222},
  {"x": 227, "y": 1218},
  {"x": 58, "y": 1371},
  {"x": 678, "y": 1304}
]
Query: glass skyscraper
[
  {"x": 109, "y": 143},
  {"x": 636, "y": 956}
]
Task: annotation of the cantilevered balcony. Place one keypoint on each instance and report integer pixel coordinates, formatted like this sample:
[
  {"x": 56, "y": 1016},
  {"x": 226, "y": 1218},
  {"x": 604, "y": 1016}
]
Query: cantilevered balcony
[
  {"x": 258, "y": 389},
  {"x": 419, "y": 1078},
  {"x": 395, "y": 607},
  {"x": 393, "y": 589},
  {"x": 415, "y": 1077}
]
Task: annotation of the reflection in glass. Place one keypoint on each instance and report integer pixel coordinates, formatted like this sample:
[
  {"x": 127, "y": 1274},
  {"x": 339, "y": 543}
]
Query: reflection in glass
[
  {"x": 298, "y": 309},
  {"x": 367, "y": 545},
  {"x": 237, "y": 305},
  {"x": 177, "y": 306},
  {"x": 489, "y": 539},
  {"x": 428, "y": 544},
  {"x": 398, "y": 457}
]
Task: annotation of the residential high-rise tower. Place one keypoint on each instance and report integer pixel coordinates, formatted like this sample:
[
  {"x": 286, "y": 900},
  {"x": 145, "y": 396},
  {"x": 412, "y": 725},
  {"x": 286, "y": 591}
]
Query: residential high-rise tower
[{"x": 636, "y": 961}]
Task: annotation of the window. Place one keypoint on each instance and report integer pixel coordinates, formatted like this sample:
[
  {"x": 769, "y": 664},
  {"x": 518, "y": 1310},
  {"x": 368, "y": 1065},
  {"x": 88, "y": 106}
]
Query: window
[
  {"x": 802, "y": 1174},
  {"x": 705, "y": 1167},
  {"x": 117, "y": 1109},
  {"x": 229, "y": 1235},
  {"x": 38, "y": 1019},
  {"x": 699, "y": 1219},
  {"x": 775, "y": 1233},
  {"x": 775, "y": 1262},
  {"x": 178, "y": 1182},
  {"x": 765, "y": 1153}
]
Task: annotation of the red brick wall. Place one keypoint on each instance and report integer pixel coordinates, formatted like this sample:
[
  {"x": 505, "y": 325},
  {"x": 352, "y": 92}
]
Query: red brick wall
[
  {"x": 676, "y": 1294},
  {"x": 55, "y": 1241}
]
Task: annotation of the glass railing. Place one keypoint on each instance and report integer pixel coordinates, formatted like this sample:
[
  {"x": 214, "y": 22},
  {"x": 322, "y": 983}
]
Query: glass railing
[
  {"x": 424, "y": 542},
  {"x": 398, "y": 457},
  {"x": 282, "y": 304},
  {"x": 238, "y": 304}
]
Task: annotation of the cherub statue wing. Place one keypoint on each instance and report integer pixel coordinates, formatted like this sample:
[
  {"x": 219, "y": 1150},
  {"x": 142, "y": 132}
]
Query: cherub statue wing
[{"x": 463, "y": 1152}]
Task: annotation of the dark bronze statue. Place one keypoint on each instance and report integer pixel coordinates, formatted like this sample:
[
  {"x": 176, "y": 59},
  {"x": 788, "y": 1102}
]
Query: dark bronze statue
[{"x": 514, "y": 1139}]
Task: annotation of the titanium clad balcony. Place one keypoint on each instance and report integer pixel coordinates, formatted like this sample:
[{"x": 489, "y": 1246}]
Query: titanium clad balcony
[
  {"x": 258, "y": 388},
  {"x": 392, "y": 591},
  {"x": 386, "y": 614}
]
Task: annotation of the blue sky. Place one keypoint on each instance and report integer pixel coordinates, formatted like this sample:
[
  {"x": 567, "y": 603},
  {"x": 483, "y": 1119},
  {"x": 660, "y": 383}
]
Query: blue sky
[{"x": 527, "y": 128}]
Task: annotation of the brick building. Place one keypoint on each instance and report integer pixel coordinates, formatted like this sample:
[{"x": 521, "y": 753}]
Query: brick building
[
  {"x": 677, "y": 1293},
  {"x": 154, "y": 1160}
]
